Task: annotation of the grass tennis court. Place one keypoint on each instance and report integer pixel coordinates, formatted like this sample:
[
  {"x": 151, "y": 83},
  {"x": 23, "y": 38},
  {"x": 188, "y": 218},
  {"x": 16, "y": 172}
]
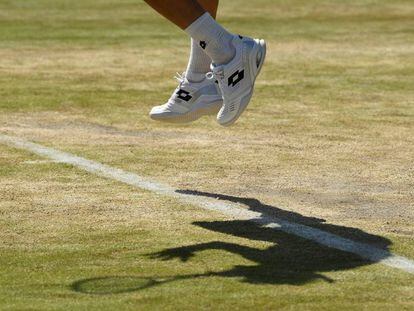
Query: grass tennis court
[{"x": 326, "y": 142}]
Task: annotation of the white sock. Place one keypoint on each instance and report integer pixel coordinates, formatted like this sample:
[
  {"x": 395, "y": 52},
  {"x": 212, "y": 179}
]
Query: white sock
[
  {"x": 213, "y": 39},
  {"x": 198, "y": 64}
]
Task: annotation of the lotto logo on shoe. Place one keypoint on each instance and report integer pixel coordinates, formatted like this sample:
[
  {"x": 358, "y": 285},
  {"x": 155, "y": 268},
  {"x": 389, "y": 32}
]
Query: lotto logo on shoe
[
  {"x": 203, "y": 44},
  {"x": 184, "y": 95},
  {"x": 236, "y": 78}
]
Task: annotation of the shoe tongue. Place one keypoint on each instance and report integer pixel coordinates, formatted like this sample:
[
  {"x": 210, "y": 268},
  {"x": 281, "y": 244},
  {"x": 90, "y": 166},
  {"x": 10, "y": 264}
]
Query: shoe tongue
[
  {"x": 195, "y": 78},
  {"x": 218, "y": 68},
  {"x": 218, "y": 72},
  {"x": 185, "y": 85}
]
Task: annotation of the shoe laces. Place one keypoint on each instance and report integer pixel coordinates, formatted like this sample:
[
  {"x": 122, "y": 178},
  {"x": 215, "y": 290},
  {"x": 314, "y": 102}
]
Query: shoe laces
[
  {"x": 180, "y": 77},
  {"x": 217, "y": 74}
]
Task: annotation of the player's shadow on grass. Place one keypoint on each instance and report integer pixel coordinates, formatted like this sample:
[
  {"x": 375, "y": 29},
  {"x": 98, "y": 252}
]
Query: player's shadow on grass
[{"x": 288, "y": 260}]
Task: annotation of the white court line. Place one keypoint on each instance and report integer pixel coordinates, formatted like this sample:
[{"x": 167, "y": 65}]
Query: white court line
[{"x": 365, "y": 251}]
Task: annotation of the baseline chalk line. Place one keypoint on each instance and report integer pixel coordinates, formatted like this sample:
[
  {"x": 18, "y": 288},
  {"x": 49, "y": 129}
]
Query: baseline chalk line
[{"x": 331, "y": 240}]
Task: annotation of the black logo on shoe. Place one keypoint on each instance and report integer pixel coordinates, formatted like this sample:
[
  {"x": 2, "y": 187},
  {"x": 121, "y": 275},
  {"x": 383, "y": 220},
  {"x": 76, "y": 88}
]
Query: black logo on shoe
[
  {"x": 203, "y": 44},
  {"x": 236, "y": 78},
  {"x": 184, "y": 95}
]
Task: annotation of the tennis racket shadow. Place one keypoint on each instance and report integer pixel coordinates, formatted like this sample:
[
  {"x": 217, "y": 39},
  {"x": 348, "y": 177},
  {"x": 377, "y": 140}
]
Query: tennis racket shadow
[{"x": 111, "y": 285}]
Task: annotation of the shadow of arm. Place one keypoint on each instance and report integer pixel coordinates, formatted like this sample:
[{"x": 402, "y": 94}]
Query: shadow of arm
[{"x": 184, "y": 253}]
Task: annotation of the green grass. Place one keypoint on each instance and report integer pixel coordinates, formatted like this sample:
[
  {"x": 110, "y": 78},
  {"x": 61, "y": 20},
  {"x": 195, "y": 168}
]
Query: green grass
[{"x": 327, "y": 141}]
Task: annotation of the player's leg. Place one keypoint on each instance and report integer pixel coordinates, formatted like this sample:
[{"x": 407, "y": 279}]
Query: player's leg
[
  {"x": 190, "y": 16},
  {"x": 208, "y": 99},
  {"x": 185, "y": 11},
  {"x": 180, "y": 12},
  {"x": 237, "y": 61},
  {"x": 210, "y": 6},
  {"x": 199, "y": 62}
]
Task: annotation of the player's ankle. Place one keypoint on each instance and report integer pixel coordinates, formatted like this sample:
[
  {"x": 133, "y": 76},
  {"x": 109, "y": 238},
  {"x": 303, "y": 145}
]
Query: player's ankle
[
  {"x": 213, "y": 39},
  {"x": 227, "y": 55}
]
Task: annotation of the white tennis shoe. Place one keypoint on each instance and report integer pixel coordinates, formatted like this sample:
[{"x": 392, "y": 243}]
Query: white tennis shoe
[
  {"x": 236, "y": 79},
  {"x": 190, "y": 101}
]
